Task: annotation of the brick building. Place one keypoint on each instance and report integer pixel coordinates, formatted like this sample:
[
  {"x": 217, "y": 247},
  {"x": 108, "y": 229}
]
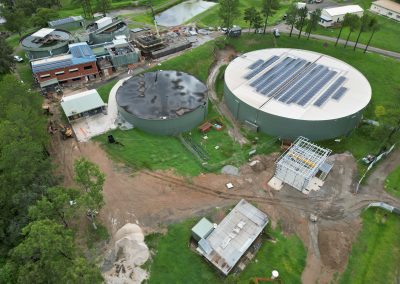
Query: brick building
[{"x": 79, "y": 65}]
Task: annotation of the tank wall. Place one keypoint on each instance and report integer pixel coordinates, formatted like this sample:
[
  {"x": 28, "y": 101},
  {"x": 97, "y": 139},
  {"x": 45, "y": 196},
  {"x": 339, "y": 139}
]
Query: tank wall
[
  {"x": 174, "y": 126},
  {"x": 40, "y": 53},
  {"x": 290, "y": 128},
  {"x": 107, "y": 37}
]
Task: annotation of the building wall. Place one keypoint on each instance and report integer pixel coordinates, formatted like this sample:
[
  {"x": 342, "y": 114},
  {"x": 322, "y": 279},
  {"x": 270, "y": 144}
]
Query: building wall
[
  {"x": 385, "y": 12},
  {"x": 335, "y": 19},
  {"x": 287, "y": 128},
  {"x": 67, "y": 75},
  {"x": 173, "y": 126}
]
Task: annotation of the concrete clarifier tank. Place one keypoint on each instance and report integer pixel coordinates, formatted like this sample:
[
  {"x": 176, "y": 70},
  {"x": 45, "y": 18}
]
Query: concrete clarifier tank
[{"x": 163, "y": 102}]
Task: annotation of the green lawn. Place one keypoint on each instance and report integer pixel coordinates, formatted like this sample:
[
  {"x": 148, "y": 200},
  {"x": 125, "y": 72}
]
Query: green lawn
[
  {"x": 386, "y": 38},
  {"x": 392, "y": 183},
  {"x": 104, "y": 90},
  {"x": 385, "y": 86},
  {"x": 210, "y": 17},
  {"x": 219, "y": 86},
  {"x": 174, "y": 262},
  {"x": 375, "y": 256}
]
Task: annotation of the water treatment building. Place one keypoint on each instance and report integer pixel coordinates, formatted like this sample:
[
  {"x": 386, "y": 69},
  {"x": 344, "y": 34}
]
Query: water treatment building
[
  {"x": 290, "y": 93},
  {"x": 163, "y": 102}
]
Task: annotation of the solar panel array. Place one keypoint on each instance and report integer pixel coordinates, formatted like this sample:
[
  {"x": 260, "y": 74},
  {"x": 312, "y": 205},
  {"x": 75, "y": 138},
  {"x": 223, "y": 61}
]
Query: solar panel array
[{"x": 295, "y": 80}]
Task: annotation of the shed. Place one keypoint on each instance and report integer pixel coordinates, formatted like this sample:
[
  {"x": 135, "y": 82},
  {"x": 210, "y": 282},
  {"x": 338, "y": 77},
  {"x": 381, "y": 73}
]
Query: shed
[
  {"x": 202, "y": 229},
  {"x": 71, "y": 22},
  {"x": 83, "y": 104},
  {"x": 386, "y": 8},
  {"x": 331, "y": 16}
]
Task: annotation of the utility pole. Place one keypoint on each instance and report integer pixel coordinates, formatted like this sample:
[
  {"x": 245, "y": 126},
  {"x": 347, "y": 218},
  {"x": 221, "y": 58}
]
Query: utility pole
[{"x": 154, "y": 16}]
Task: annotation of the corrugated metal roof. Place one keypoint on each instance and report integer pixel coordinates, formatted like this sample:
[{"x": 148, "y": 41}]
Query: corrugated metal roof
[
  {"x": 43, "y": 32},
  {"x": 337, "y": 11},
  {"x": 81, "y": 102},
  {"x": 80, "y": 50},
  {"x": 67, "y": 20},
  {"x": 390, "y": 5}
]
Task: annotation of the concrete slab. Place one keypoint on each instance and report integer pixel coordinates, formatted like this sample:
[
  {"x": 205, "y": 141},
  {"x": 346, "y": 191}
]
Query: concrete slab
[{"x": 275, "y": 183}]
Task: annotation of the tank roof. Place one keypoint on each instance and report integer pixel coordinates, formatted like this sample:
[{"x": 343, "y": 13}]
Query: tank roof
[
  {"x": 46, "y": 39},
  {"x": 161, "y": 95}
]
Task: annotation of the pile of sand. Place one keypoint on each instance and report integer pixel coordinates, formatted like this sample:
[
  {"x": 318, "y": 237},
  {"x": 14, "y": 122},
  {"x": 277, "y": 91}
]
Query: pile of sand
[{"x": 129, "y": 253}]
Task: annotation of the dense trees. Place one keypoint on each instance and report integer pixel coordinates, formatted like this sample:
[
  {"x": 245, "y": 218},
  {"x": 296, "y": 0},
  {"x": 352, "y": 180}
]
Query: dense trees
[
  {"x": 249, "y": 15},
  {"x": 228, "y": 12},
  {"x": 6, "y": 59},
  {"x": 291, "y": 17},
  {"x": 313, "y": 22},
  {"x": 43, "y": 16},
  {"x": 354, "y": 23},
  {"x": 374, "y": 27},
  {"x": 302, "y": 16},
  {"x": 364, "y": 26},
  {"x": 103, "y": 6}
]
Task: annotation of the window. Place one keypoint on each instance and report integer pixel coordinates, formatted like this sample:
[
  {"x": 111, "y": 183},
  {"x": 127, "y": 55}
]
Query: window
[
  {"x": 73, "y": 70},
  {"x": 390, "y": 13},
  {"x": 398, "y": 16},
  {"x": 88, "y": 67},
  {"x": 45, "y": 76},
  {"x": 59, "y": 73},
  {"x": 76, "y": 79}
]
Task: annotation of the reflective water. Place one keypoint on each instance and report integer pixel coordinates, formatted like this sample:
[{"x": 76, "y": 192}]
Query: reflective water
[{"x": 182, "y": 12}]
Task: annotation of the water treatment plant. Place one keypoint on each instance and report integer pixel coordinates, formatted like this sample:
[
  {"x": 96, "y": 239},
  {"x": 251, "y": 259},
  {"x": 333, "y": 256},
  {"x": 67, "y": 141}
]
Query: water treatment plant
[
  {"x": 291, "y": 92},
  {"x": 163, "y": 102}
]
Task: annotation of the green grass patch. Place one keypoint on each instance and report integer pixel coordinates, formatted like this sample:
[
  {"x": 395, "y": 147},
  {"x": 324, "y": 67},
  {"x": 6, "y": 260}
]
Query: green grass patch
[
  {"x": 95, "y": 236},
  {"x": 210, "y": 17},
  {"x": 219, "y": 84},
  {"x": 375, "y": 256},
  {"x": 104, "y": 90},
  {"x": 175, "y": 262},
  {"x": 392, "y": 182},
  {"x": 386, "y": 38}
]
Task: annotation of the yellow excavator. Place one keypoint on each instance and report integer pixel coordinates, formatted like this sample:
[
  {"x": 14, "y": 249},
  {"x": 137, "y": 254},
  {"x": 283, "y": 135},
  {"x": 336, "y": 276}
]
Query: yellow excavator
[{"x": 66, "y": 131}]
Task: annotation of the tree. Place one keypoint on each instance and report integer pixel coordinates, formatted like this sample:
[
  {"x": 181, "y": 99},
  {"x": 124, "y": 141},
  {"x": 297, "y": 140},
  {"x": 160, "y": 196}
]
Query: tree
[
  {"x": 313, "y": 22},
  {"x": 303, "y": 12},
  {"x": 257, "y": 21},
  {"x": 354, "y": 23},
  {"x": 58, "y": 204},
  {"x": 25, "y": 169},
  {"x": 374, "y": 27},
  {"x": 291, "y": 17},
  {"x": 86, "y": 6},
  {"x": 6, "y": 59},
  {"x": 364, "y": 26},
  {"x": 43, "y": 16},
  {"x": 48, "y": 254},
  {"x": 228, "y": 12},
  {"x": 91, "y": 180},
  {"x": 103, "y": 6},
  {"x": 345, "y": 23},
  {"x": 249, "y": 14},
  {"x": 15, "y": 20},
  {"x": 269, "y": 8}
]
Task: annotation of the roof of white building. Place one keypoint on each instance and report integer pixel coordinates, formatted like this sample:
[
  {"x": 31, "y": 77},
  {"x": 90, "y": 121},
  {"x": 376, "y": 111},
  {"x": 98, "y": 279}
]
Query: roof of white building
[
  {"x": 342, "y": 10},
  {"x": 389, "y": 5},
  {"x": 81, "y": 102}
]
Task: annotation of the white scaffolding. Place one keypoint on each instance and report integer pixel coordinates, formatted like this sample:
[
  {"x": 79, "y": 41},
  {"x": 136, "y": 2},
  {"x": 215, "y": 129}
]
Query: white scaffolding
[{"x": 301, "y": 162}]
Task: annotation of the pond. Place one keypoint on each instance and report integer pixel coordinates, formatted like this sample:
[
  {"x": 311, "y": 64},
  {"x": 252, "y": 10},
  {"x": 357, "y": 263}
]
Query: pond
[{"x": 182, "y": 12}]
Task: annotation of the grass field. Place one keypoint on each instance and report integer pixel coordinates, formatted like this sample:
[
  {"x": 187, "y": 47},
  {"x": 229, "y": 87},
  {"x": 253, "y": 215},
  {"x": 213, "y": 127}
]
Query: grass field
[
  {"x": 375, "y": 256},
  {"x": 385, "y": 86},
  {"x": 392, "y": 183},
  {"x": 210, "y": 18},
  {"x": 219, "y": 86},
  {"x": 104, "y": 90},
  {"x": 386, "y": 38},
  {"x": 174, "y": 262}
]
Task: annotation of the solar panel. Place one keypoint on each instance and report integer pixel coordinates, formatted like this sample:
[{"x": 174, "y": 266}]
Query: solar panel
[
  {"x": 283, "y": 78},
  {"x": 299, "y": 84},
  {"x": 326, "y": 95},
  {"x": 267, "y": 74},
  {"x": 273, "y": 72},
  {"x": 339, "y": 93},
  {"x": 317, "y": 87},
  {"x": 256, "y": 64},
  {"x": 260, "y": 68}
]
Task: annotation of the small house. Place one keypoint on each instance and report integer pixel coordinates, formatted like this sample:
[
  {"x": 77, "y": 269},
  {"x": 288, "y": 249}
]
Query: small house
[
  {"x": 386, "y": 8},
  {"x": 335, "y": 15}
]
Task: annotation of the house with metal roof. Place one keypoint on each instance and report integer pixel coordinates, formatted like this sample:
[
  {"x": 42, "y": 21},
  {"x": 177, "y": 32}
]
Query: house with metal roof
[
  {"x": 386, "y": 8},
  {"x": 76, "y": 66},
  {"x": 83, "y": 104},
  {"x": 72, "y": 22},
  {"x": 232, "y": 240},
  {"x": 333, "y": 16}
]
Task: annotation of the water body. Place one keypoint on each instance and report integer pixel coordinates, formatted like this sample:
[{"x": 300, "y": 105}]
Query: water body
[{"x": 182, "y": 12}]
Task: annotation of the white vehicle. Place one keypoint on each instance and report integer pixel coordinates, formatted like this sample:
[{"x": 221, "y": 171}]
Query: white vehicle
[{"x": 18, "y": 58}]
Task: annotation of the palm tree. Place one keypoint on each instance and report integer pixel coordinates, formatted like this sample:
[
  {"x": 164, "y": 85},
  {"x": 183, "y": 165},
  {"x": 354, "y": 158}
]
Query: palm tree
[
  {"x": 303, "y": 12},
  {"x": 374, "y": 27},
  {"x": 345, "y": 23},
  {"x": 364, "y": 26},
  {"x": 269, "y": 8},
  {"x": 257, "y": 21},
  {"x": 291, "y": 17},
  {"x": 353, "y": 25},
  {"x": 313, "y": 22}
]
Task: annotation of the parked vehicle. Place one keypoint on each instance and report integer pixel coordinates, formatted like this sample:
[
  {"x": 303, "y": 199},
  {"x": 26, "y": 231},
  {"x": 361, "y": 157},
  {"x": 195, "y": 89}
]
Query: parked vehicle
[{"x": 18, "y": 58}]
